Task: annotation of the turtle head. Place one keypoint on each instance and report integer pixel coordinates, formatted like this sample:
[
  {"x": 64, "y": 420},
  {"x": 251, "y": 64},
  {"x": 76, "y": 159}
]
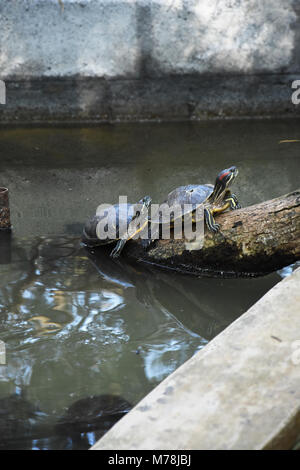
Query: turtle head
[{"x": 224, "y": 179}]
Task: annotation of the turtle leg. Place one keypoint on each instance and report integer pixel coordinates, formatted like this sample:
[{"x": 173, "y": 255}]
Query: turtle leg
[
  {"x": 210, "y": 221},
  {"x": 233, "y": 200},
  {"x": 121, "y": 243},
  {"x": 237, "y": 204},
  {"x": 115, "y": 253}
]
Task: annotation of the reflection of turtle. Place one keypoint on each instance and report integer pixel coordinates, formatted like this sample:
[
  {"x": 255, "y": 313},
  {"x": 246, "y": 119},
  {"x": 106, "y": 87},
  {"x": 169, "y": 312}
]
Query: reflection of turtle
[
  {"x": 215, "y": 199},
  {"x": 94, "y": 414},
  {"x": 113, "y": 218}
]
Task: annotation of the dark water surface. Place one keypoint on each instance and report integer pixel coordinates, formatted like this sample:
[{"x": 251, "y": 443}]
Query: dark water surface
[{"x": 78, "y": 325}]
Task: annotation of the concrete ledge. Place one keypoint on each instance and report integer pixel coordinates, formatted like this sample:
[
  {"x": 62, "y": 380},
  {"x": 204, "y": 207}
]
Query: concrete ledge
[
  {"x": 162, "y": 98},
  {"x": 242, "y": 391}
]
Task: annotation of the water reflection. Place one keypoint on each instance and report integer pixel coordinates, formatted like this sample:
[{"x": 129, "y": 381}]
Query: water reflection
[
  {"x": 78, "y": 324},
  {"x": 23, "y": 426},
  {"x": 288, "y": 270},
  {"x": 88, "y": 419},
  {"x": 5, "y": 247},
  {"x": 17, "y": 416}
]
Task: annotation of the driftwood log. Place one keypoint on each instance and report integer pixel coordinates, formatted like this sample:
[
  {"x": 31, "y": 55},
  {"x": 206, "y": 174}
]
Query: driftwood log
[{"x": 253, "y": 241}]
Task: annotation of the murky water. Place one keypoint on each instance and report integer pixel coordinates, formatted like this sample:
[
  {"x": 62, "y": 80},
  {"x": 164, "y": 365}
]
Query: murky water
[{"x": 77, "y": 324}]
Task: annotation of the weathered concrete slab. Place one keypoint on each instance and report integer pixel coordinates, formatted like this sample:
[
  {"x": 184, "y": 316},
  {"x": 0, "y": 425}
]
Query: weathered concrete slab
[
  {"x": 242, "y": 391},
  {"x": 148, "y": 59}
]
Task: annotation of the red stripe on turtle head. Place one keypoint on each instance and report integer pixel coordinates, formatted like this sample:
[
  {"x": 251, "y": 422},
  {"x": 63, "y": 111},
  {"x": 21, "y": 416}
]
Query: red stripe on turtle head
[{"x": 224, "y": 174}]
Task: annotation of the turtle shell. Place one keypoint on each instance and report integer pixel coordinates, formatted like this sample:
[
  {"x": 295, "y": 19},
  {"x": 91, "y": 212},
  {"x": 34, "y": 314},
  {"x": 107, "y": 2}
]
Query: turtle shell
[
  {"x": 193, "y": 194},
  {"x": 113, "y": 215}
]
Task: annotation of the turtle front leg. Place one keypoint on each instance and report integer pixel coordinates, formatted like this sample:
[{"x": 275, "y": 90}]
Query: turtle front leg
[
  {"x": 233, "y": 201},
  {"x": 115, "y": 253},
  {"x": 210, "y": 221}
]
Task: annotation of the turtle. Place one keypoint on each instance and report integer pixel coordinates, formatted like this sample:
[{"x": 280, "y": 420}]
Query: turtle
[
  {"x": 216, "y": 199},
  {"x": 118, "y": 219}
]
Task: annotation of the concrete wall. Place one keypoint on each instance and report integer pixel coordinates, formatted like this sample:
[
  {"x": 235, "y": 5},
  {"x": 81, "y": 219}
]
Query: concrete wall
[{"x": 111, "y": 59}]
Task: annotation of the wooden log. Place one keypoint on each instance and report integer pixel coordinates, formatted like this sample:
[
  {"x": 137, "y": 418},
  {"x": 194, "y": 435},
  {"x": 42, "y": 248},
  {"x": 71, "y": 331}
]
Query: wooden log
[{"x": 253, "y": 241}]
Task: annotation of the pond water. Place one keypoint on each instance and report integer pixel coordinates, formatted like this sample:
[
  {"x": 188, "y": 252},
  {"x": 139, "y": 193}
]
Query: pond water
[{"x": 77, "y": 324}]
